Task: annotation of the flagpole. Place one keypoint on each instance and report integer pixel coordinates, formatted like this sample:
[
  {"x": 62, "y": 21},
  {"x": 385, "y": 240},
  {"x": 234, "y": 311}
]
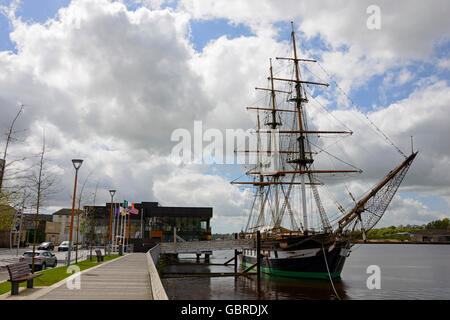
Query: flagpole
[
  {"x": 118, "y": 223},
  {"x": 142, "y": 211},
  {"x": 113, "y": 227},
  {"x": 126, "y": 226},
  {"x": 129, "y": 229},
  {"x": 123, "y": 230}
]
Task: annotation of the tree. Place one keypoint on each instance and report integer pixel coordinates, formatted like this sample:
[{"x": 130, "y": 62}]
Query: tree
[
  {"x": 9, "y": 138},
  {"x": 7, "y": 214},
  {"x": 8, "y": 197},
  {"x": 438, "y": 224},
  {"x": 80, "y": 197},
  {"x": 41, "y": 184},
  {"x": 91, "y": 221}
]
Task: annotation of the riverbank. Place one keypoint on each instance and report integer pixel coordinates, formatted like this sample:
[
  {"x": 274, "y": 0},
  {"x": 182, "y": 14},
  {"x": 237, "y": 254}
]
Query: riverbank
[{"x": 395, "y": 241}]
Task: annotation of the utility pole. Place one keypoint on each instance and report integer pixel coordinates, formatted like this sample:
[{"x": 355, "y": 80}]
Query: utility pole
[
  {"x": 76, "y": 164},
  {"x": 111, "y": 192}
]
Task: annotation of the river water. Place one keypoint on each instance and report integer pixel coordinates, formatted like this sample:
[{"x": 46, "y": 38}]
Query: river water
[{"x": 407, "y": 271}]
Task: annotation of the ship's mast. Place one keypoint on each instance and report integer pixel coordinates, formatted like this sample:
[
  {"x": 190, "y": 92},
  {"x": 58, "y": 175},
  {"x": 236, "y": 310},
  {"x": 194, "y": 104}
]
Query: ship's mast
[
  {"x": 301, "y": 138},
  {"x": 261, "y": 177},
  {"x": 274, "y": 125}
]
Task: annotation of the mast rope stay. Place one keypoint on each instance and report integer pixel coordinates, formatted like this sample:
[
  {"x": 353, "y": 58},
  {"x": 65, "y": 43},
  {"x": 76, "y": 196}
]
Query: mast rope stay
[{"x": 359, "y": 109}]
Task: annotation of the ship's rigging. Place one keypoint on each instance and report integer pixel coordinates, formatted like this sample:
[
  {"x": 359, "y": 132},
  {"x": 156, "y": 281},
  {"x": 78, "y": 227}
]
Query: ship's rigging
[{"x": 285, "y": 165}]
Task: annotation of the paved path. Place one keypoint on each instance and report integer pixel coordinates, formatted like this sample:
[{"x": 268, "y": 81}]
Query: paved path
[{"x": 123, "y": 279}]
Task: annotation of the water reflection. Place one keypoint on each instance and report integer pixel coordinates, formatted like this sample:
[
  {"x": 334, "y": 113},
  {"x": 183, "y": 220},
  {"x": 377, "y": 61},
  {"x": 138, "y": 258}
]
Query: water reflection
[
  {"x": 407, "y": 272},
  {"x": 242, "y": 287},
  {"x": 278, "y": 288}
]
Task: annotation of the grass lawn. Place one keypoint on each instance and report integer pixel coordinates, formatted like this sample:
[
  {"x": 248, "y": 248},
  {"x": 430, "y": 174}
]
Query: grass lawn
[{"x": 54, "y": 275}]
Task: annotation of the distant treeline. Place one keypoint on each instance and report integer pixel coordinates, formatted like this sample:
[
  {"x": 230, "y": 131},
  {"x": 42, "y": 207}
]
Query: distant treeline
[
  {"x": 394, "y": 232},
  {"x": 222, "y": 236},
  {"x": 391, "y": 232}
]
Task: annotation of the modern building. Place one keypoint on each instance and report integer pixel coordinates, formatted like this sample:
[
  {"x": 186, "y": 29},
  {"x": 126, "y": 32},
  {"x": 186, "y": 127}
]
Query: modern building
[
  {"x": 49, "y": 228},
  {"x": 152, "y": 221},
  {"x": 60, "y": 226},
  {"x": 435, "y": 236},
  {"x": 42, "y": 224}
]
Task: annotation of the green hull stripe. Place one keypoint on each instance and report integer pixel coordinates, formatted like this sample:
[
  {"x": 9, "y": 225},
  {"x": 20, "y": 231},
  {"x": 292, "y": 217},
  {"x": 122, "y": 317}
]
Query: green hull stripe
[{"x": 296, "y": 274}]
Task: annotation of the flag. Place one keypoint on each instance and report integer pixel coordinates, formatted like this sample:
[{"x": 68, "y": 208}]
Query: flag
[
  {"x": 133, "y": 211},
  {"x": 132, "y": 205},
  {"x": 117, "y": 210}
]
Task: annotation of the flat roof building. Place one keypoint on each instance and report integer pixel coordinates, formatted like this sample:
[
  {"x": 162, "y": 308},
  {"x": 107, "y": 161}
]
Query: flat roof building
[
  {"x": 152, "y": 221},
  {"x": 435, "y": 236}
]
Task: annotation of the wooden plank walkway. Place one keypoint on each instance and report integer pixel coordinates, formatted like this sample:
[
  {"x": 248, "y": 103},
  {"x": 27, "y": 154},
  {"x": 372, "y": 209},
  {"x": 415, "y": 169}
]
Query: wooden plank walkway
[{"x": 126, "y": 278}]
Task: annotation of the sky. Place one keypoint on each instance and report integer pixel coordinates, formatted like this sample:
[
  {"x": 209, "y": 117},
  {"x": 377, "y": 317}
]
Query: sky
[{"x": 110, "y": 81}]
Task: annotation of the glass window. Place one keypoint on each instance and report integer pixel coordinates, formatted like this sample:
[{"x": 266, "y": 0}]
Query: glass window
[
  {"x": 204, "y": 225},
  {"x": 30, "y": 254},
  {"x": 196, "y": 224}
]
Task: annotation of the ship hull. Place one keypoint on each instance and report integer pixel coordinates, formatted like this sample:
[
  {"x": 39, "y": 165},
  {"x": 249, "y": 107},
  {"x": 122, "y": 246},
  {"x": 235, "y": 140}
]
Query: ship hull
[{"x": 307, "y": 263}]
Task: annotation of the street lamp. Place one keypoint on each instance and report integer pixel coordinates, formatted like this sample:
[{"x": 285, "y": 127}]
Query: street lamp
[
  {"x": 76, "y": 164},
  {"x": 112, "y": 193}
]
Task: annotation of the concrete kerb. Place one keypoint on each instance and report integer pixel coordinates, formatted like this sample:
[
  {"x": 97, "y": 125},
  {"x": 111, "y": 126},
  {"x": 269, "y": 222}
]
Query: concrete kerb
[
  {"x": 46, "y": 290},
  {"x": 156, "y": 287}
]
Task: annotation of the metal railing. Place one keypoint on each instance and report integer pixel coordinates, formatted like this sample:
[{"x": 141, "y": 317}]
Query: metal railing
[{"x": 82, "y": 255}]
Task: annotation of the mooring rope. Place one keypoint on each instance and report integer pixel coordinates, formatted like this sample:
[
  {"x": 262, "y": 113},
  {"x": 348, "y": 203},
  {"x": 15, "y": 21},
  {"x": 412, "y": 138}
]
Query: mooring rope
[{"x": 329, "y": 274}]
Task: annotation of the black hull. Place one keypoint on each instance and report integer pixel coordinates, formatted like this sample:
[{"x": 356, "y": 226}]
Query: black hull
[{"x": 287, "y": 263}]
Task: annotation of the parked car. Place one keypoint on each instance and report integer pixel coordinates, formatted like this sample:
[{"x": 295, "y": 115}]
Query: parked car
[
  {"x": 42, "y": 259},
  {"x": 46, "y": 246},
  {"x": 64, "y": 246}
]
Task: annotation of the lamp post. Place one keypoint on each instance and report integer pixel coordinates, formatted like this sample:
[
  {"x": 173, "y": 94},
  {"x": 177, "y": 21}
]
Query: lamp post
[
  {"x": 111, "y": 192},
  {"x": 76, "y": 164}
]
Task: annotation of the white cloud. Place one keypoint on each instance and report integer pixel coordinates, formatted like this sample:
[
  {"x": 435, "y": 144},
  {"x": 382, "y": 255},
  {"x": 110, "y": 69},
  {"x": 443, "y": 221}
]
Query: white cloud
[
  {"x": 109, "y": 85},
  {"x": 403, "y": 211},
  {"x": 408, "y": 28},
  {"x": 444, "y": 63},
  {"x": 185, "y": 187}
]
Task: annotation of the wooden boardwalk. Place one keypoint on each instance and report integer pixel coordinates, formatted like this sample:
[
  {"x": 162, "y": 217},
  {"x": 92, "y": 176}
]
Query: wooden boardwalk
[{"x": 125, "y": 278}]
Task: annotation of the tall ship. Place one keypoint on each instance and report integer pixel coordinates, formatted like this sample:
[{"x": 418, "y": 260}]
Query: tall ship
[{"x": 298, "y": 237}]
